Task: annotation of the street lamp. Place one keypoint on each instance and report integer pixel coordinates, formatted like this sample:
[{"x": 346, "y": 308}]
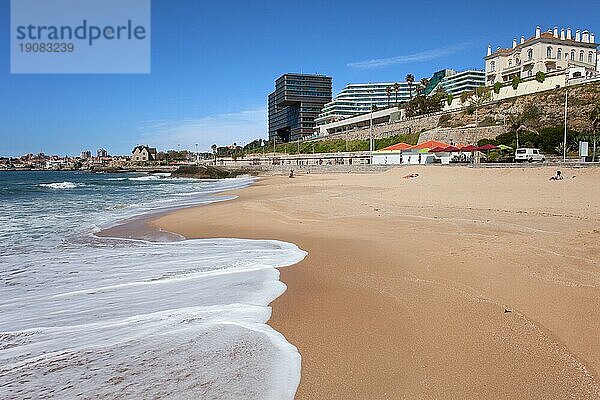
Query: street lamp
[
  {"x": 197, "y": 155},
  {"x": 371, "y": 129}
]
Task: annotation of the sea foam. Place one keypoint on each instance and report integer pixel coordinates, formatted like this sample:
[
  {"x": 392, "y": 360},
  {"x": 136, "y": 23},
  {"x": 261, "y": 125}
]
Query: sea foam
[
  {"x": 90, "y": 317},
  {"x": 168, "y": 320},
  {"x": 60, "y": 185}
]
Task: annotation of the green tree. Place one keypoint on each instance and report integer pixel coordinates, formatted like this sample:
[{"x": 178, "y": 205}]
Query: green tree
[
  {"x": 464, "y": 96},
  {"x": 422, "y": 104},
  {"x": 540, "y": 76},
  {"x": 449, "y": 99},
  {"x": 410, "y": 79},
  {"x": 480, "y": 96},
  {"x": 424, "y": 83},
  {"x": 388, "y": 91},
  {"x": 396, "y": 90},
  {"x": 214, "y": 148}
]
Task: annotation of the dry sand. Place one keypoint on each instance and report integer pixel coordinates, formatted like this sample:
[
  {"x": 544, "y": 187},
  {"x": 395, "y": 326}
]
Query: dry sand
[{"x": 462, "y": 283}]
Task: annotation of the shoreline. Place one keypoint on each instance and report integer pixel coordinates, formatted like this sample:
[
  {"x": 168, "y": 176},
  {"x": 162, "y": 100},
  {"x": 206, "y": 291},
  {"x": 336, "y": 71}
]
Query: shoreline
[{"x": 425, "y": 319}]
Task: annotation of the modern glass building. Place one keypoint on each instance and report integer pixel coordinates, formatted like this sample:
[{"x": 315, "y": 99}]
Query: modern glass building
[
  {"x": 294, "y": 105},
  {"x": 457, "y": 82},
  {"x": 356, "y": 99}
]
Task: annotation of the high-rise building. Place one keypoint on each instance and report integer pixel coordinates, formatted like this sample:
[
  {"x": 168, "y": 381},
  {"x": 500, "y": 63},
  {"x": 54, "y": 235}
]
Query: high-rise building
[
  {"x": 357, "y": 98},
  {"x": 294, "y": 105},
  {"x": 85, "y": 155},
  {"x": 101, "y": 153},
  {"x": 547, "y": 52}
]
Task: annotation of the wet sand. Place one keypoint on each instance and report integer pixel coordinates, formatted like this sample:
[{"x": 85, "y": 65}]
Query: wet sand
[{"x": 460, "y": 283}]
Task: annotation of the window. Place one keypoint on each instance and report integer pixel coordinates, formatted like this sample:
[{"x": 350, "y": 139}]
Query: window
[
  {"x": 529, "y": 73},
  {"x": 572, "y": 55},
  {"x": 493, "y": 66},
  {"x": 581, "y": 56},
  {"x": 549, "y": 52},
  {"x": 591, "y": 58},
  {"x": 559, "y": 54},
  {"x": 510, "y": 63},
  {"x": 530, "y": 54}
]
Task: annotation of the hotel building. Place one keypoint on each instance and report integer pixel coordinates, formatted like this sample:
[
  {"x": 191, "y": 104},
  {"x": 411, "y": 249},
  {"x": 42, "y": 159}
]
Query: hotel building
[
  {"x": 457, "y": 82},
  {"x": 356, "y": 99},
  {"x": 294, "y": 105},
  {"x": 548, "y": 52}
]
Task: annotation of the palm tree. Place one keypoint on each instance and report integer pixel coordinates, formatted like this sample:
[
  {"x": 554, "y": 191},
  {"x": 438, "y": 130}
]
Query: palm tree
[
  {"x": 388, "y": 91},
  {"x": 595, "y": 118},
  {"x": 396, "y": 89},
  {"x": 214, "y": 149},
  {"x": 410, "y": 79},
  {"x": 424, "y": 83}
]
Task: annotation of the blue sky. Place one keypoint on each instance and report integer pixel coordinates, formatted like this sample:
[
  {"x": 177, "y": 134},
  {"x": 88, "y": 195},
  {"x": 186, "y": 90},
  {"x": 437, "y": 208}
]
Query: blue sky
[{"x": 213, "y": 64}]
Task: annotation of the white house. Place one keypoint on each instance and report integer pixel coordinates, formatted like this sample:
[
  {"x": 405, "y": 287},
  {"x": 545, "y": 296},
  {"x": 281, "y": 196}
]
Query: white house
[{"x": 547, "y": 52}]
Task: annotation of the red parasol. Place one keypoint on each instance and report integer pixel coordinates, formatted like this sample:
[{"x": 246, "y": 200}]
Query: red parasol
[
  {"x": 437, "y": 150},
  {"x": 488, "y": 147},
  {"x": 451, "y": 149},
  {"x": 469, "y": 148}
]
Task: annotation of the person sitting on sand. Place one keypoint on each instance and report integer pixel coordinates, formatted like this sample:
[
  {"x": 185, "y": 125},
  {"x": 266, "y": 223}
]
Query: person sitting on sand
[
  {"x": 557, "y": 177},
  {"x": 291, "y": 173},
  {"x": 410, "y": 176}
]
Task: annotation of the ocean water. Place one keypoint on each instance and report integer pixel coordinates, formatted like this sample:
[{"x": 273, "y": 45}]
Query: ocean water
[{"x": 89, "y": 317}]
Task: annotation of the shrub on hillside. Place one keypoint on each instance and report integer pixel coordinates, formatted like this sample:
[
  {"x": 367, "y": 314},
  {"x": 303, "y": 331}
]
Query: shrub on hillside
[
  {"x": 497, "y": 87},
  {"x": 515, "y": 82},
  {"x": 540, "y": 76}
]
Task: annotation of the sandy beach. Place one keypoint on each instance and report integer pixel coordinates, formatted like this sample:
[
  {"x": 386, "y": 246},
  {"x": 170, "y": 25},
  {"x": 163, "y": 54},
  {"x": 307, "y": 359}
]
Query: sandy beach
[{"x": 460, "y": 283}]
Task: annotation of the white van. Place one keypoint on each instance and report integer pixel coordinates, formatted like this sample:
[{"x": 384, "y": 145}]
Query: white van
[{"x": 529, "y": 154}]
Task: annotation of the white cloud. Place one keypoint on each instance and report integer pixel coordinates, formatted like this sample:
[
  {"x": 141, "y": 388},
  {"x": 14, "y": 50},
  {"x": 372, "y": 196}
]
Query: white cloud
[
  {"x": 221, "y": 129},
  {"x": 426, "y": 55}
]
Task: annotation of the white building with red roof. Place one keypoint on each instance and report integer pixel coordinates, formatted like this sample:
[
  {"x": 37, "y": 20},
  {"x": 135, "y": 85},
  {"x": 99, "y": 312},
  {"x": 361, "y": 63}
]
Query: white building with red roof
[{"x": 549, "y": 52}]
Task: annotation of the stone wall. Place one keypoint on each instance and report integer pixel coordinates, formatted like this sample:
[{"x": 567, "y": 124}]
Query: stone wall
[
  {"x": 551, "y": 103},
  {"x": 462, "y": 135}
]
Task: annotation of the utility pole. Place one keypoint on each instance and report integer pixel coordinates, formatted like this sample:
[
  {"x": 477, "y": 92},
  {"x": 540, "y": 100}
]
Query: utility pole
[
  {"x": 565, "y": 136},
  {"x": 197, "y": 155}
]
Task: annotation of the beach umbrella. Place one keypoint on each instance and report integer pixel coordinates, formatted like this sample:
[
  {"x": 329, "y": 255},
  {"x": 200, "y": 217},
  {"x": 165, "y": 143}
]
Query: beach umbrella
[
  {"x": 487, "y": 147},
  {"x": 451, "y": 149},
  {"x": 425, "y": 150},
  {"x": 437, "y": 150},
  {"x": 469, "y": 148},
  {"x": 504, "y": 147}
]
